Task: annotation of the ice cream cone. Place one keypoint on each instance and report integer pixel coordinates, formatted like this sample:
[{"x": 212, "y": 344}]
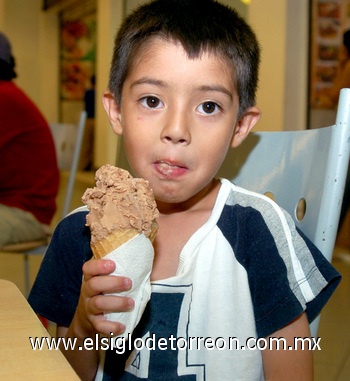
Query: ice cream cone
[
  {"x": 101, "y": 248},
  {"x": 112, "y": 242},
  {"x": 134, "y": 260},
  {"x": 123, "y": 223}
]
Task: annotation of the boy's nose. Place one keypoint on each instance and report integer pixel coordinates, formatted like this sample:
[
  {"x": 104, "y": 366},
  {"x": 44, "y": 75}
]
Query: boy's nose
[{"x": 176, "y": 129}]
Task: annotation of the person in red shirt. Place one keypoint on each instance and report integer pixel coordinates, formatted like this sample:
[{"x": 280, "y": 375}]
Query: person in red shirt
[{"x": 29, "y": 175}]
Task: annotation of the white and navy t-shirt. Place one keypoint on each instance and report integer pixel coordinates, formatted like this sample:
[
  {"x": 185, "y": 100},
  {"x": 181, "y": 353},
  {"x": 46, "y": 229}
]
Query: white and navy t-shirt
[{"x": 246, "y": 273}]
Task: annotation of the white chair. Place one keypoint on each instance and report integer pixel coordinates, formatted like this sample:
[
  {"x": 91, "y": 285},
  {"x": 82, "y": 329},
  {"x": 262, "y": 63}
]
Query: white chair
[
  {"x": 304, "y": 172},
  {"x": 68, "y": 141}
]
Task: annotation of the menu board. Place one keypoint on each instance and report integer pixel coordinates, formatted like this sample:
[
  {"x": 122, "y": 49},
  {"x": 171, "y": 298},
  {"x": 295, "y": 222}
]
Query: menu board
[{"x": 330, "y": 19}]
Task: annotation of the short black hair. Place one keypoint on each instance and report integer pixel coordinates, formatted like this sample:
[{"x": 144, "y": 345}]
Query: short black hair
[
  {"x": 7, "y": 70},
  {"x": 200, "y": 26}
]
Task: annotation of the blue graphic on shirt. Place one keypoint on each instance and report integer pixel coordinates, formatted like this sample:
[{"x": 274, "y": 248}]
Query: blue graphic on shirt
[{"x": 159, "y": 321}]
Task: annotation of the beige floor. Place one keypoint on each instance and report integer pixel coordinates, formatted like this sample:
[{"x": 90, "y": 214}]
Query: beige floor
[{"x": 332, "y": 362}]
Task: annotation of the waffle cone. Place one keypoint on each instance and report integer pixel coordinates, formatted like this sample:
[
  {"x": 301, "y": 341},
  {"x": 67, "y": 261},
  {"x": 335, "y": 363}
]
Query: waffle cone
[{"x": 116, "y": 239}]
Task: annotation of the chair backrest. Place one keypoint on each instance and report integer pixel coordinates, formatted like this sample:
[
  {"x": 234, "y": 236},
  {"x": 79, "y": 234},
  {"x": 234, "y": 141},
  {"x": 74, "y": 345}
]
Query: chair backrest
[
  {"x": 299, "y": 167},
  {"x": 68, "y": 141},
  {"x": 304, "y": 171}
]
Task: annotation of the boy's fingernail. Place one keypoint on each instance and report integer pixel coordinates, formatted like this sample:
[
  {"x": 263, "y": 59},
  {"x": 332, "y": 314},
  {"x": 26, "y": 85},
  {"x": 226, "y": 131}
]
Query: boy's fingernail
[
  {"x": 127, "y": 283},
  {"x": 122, "y": 328},
  {"x": 131, "y": 303},
  {"x": 108, "y": 264}
]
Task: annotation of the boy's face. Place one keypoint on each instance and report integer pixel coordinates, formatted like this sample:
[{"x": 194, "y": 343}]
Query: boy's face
[{"x": 178, "y": 118}]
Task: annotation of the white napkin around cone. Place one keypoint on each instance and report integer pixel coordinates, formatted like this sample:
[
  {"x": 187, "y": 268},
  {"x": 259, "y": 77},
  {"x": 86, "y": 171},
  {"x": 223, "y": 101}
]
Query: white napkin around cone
[{"x": 134, "y": 259}]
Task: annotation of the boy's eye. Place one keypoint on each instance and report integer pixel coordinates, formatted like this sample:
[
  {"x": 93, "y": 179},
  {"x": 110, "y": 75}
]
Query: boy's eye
[
  {"x": 209, "y": 108},
  {"x": 151, "y": 102}
]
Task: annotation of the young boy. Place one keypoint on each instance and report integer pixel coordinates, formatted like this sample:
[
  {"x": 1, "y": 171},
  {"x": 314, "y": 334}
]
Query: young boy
[{"x": 230, "y": 269}]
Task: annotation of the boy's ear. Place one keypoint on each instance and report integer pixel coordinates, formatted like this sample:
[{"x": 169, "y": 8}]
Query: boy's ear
[
  {"x": 244, "y": 126},
  {"x": 113, "y": 112}
]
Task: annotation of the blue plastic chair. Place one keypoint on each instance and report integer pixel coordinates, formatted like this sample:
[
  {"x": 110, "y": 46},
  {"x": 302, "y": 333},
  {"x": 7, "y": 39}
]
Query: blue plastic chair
[{"x": 303, "y": 171}]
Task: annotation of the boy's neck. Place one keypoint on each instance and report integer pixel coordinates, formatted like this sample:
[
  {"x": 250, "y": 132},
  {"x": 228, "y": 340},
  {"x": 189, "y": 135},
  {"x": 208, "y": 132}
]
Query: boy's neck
[
  {"x": 177, "y": 223},
  {"x": 203, "y": 200}
]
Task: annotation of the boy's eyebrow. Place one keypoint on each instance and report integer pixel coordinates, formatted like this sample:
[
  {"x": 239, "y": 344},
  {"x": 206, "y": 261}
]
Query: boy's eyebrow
[
  {"x": 157, "y": 82},
  {"x": 218, "y": 88},
  {"x": 148, "y": 80}
]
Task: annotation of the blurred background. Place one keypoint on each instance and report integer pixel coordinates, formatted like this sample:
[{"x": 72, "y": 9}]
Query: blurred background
[{"x": 63, "y": 48}]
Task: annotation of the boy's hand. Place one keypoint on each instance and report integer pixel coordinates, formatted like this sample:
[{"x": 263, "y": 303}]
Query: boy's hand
[{"x": 93, "y": 302}]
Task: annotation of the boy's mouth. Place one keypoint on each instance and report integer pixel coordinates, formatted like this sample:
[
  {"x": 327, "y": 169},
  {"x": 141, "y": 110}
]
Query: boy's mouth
[{"x": 170, "y": 169}]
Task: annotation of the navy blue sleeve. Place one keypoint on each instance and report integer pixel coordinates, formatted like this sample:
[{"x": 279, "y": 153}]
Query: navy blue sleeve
[
  {"x": 274, "y": 301},
  {"x": 56, "y": 290},
  {"x": 329, "y": 273}
]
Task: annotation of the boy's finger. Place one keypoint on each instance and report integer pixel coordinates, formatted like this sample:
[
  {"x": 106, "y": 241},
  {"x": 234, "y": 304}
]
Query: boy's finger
[
  {"x": 109, "y": 327},
  {"x": 111, "y": 303},
  {"x": 95, "y": 267},
  {"x": 107, "y": 284}
]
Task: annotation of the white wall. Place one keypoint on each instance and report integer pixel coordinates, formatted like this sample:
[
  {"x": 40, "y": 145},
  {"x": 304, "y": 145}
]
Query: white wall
[
  {"x": 34, "y": 38},
  {"x": 282, "y": 29},
  {"x": 297, "y": 63},
  {"x": 268, "y": 19},
  {"x": 109, "y": 16}
]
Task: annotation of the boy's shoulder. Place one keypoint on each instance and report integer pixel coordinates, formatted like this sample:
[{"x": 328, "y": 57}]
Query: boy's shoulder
[
  {"x": 250, "y": 201},
  {"x": 76, "y": 219},
  {"x": 72, "y": 233},
  {"x": 254, "y": 214}
]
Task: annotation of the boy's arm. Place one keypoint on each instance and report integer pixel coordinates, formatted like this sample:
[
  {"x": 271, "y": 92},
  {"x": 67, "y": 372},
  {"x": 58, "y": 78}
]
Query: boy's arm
[
  {"x": 84, "y": 362},
  {"x": 290, "y": 365},
  {"x": 89, "y": 316}
]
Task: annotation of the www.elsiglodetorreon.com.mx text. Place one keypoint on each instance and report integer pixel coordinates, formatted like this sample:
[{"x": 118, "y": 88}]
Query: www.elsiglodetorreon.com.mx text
[{"x": 122, "y": 344}]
